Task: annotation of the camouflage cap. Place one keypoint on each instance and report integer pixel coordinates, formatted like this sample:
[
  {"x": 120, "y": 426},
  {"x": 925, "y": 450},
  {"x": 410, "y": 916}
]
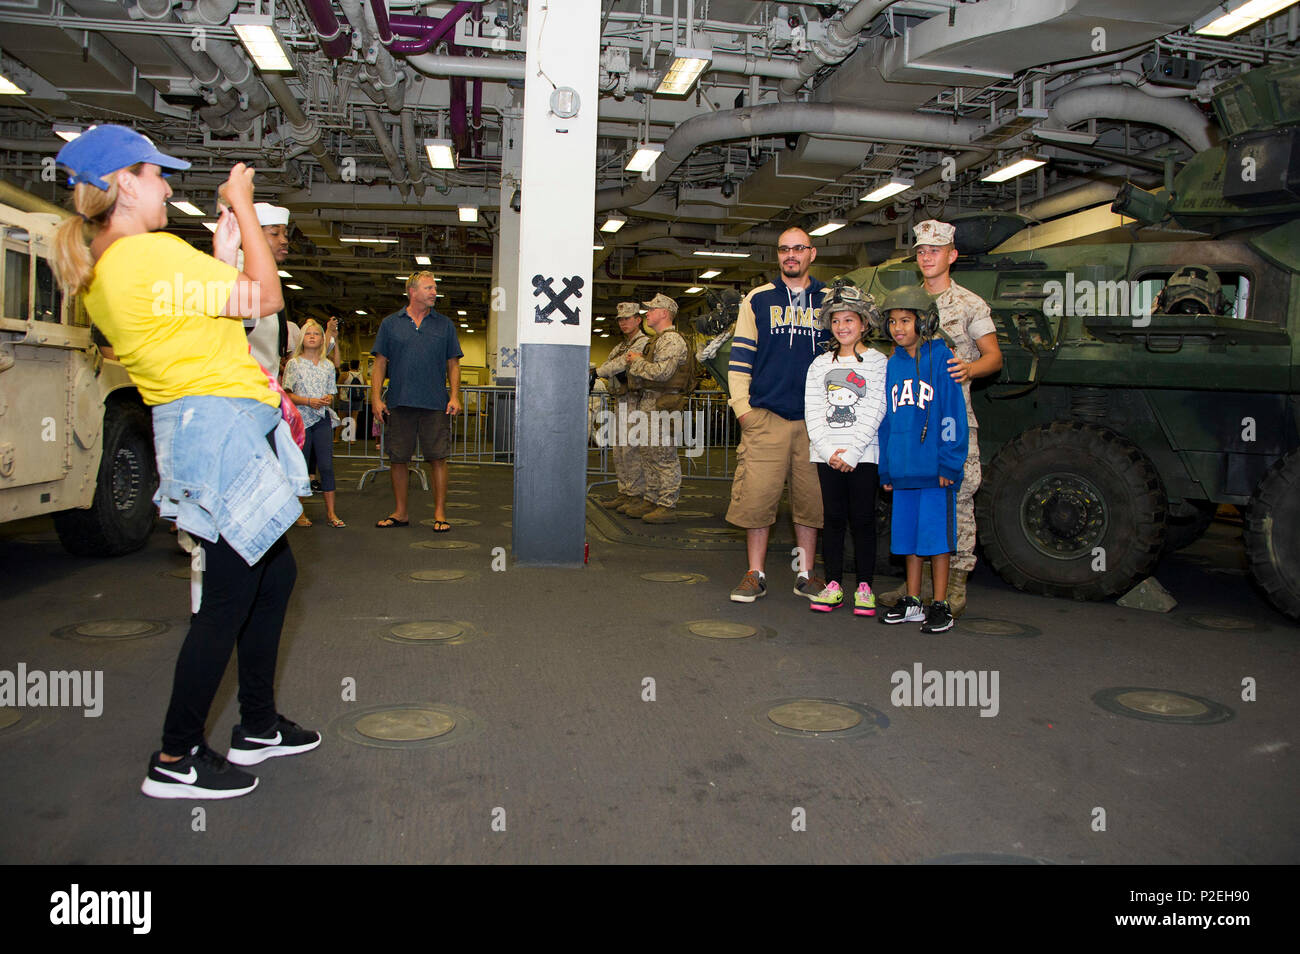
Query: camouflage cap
[
  {"x": 662, "y": 301},
  {"x": 934, "y": 232},
  {"x": 1193, "y": 283},
  {"x": 628, "y": 309}
]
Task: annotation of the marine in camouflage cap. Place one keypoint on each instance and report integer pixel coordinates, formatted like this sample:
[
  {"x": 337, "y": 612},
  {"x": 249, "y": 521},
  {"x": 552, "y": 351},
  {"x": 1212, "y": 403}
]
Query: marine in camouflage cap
[
  {"x": 662, "y": 301},
  {"x": 626, "y": 309},
  {"x": 934, "y": 232}
]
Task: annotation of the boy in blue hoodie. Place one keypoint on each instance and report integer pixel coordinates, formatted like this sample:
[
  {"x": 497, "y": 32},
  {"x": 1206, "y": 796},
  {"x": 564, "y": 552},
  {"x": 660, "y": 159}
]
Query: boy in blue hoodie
[{"x": 923, "y": 441}]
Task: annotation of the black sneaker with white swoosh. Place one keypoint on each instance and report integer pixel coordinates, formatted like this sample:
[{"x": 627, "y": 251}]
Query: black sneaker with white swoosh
[
  {"x": 201, "y": 774},
  {"x": 284, "y": 738}
]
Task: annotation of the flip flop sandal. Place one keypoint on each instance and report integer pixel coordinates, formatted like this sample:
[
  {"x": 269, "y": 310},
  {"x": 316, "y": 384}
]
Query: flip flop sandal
[
  {"x": 302, "y": 522},
  {"x": 441, "y": 526},
  {"x": 388, "y": 522},
  {"x": 336, "y": 522}
]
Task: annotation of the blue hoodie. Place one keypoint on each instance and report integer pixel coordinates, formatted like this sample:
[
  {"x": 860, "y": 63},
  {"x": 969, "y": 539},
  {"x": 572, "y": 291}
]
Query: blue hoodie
[
  {"x": 777, "y": 337},
  {"x": 921, "y": 401}
]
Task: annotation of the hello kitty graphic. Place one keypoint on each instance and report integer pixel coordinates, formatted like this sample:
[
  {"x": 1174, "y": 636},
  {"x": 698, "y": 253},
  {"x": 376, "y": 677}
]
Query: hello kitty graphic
[{"x": 844, "y": 387}]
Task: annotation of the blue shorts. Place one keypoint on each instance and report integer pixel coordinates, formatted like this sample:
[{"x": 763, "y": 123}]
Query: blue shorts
[{"x": 924, "y": 522}]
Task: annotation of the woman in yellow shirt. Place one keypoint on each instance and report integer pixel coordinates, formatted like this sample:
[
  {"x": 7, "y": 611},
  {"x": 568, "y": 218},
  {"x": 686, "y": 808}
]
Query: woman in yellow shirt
[{"x": 229, "y": 473}]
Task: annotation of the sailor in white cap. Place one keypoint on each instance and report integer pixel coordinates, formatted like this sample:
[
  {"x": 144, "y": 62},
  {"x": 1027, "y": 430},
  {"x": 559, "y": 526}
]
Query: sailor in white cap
[{"x": 965, "y": 318}]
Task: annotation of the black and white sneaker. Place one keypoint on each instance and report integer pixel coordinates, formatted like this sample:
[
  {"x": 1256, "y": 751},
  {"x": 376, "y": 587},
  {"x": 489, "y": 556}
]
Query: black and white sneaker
[
  {"x": 284, "y": 738},
  {"x": 906, "y": 610},
  {"x": 938, "y": 619},
  {"x": 201, "y": 774}
]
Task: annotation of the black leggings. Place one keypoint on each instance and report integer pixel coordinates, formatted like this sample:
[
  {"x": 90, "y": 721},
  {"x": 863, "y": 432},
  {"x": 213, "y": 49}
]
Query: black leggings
[
  {"x": 848, "y": 499},
  {"x": 242, "y": 605}
]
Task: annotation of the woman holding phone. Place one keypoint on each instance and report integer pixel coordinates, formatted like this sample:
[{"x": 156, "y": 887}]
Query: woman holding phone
[{"x": 229, "y": 471}]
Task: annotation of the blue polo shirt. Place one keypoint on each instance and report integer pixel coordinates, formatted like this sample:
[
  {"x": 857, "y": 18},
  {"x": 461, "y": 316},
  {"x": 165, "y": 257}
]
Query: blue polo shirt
[{"x": 417, "y": 358}]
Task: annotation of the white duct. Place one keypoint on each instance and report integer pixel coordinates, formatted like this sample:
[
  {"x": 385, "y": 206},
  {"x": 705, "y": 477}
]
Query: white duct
[
  {"x": 841, "y": 40},
  {"x": 1125, "y": 103},
  {"x": 480, "y": 67}
]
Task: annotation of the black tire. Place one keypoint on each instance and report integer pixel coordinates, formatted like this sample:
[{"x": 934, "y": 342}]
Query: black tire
[
  {"x": 1273, "y": 534},
  {"x": 121, "y": 516},
  {"x": 1187, "y": 523},
  {"x": 1057, "y": 492}
]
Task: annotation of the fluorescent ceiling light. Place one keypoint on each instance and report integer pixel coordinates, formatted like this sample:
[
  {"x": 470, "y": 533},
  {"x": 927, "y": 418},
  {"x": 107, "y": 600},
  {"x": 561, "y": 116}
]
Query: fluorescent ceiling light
[
  {"x": 834, "y": 225},
  {"x": 66, "y": 131},
  {"x": 283, "y": 274},
  {"x": 468, "y": 213},
  {"x": 440, "y": 153},
  {"x": 600, "y": 317},
  {"x": 710, "y": 253},
  {"x": 9, "y": 88},
  {"x": 463, "y": 325},
  {"x": 1079, "y": 138},
  {"x": 1017, "y": 168},
  {"x": 604, "y": 336},
  {"x": 259, "y": 38},
  {"x": 189, "y": 208},
  {"x": 368, "y": 239},
  {"x": 423, "y": 260},
  {"x": 401, "y": 278},
  {"x": 210, "y": 226},
  {"x": 711, "y": 273},
  {"x": 646, "y": 155},
  {"x": 614, "y": 223},
  {"x": 686, "y": 68},
  {"x": 360, "y": 312},
  {"x": 294, "y": 287},
  {"x": 598, "y": 246},
  {"x": 461, "y": 312},
  {"x": 694, "y": 290},
  {"x": 1239, "y": 16},
  {"x": 895, "y": 185}
]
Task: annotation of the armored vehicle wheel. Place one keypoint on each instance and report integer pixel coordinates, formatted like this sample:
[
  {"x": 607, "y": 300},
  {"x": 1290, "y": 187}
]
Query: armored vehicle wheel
[
  {"x": 1273, "y": 534},
  {"x": 1071, "y": 509},
  {"x": 121, "y": 516},
  {"x": 1187, "y": 523}
]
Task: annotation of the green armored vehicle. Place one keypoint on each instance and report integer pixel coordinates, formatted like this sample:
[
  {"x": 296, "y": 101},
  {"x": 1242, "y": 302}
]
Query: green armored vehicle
[{"x": 1128, "y": 411}]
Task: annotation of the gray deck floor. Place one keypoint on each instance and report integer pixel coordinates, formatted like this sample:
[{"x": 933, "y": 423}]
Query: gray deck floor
[{"x": 555, "y": 739}]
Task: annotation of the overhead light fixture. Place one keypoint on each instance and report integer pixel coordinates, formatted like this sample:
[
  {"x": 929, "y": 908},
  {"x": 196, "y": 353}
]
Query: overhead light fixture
[
  {"x": 468, "y": 213},
  {"x": 605, "y": 336},
  {"x": 9, "y": 88},
  {"x": 713, "y": 253},
  {"x": 283, "y": 274},
  {"x": 368, "y": 239},
  {"x": 614, "y": 223},
  {"x": 895, "y": 185},
  {"x": 1077, "y": 138},
  {"x": 598, "y": 246},
  {"x": 686, "y": 68},
  {"x": 461, "y": 312},
  {"x": 645, "y": 157},
  {"x": 1233, "y": 16},
  {"x": 694, "y": 290},
  {"x": 711, "y": 273},
  {"x": 294, "y": 287},
  {"x": 67, "y": 131},
  {"x": 257, "y": 33},
  {"x": 600, "y": 317},
  {"x": 1016, "y": 168},
  {"x": 440, "y": 153},
  {"x": 189, "y": 208},
  {"x": 834, "y": 225},
  {"x": 401, "y": 278},
  {"x": 463, "y": 325},
  {"x": 210, "y": 226},
  {"x": 360, "y": 312},
  {"x": 423, "y": 260}
]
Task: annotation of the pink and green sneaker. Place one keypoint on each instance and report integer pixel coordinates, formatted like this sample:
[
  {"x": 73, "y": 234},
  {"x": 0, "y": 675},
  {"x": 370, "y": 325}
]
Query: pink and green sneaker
[
  {"x": 864, "y": 601},
  {"x": 828, "y": 599}
]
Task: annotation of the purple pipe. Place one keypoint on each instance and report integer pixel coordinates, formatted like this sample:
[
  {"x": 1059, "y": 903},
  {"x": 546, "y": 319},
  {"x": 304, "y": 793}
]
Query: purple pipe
[
  {"x": 426, "y": 30},
  {"x": 334, "y": 43},
  {"x": 477, "y": 116}
]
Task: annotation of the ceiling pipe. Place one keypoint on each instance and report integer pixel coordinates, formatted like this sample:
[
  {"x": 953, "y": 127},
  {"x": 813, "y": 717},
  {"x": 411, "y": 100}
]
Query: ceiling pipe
[
  {"x": 841, "y": 40},
  {"x": 25, "y": 201},
  {"x": 426, "y": 31},
  {"x": 783, "y": 118},
  {"x": 1136, "y": 80},
  {"x": 410, "y": 146},
  {"x": 386, "y": 147},
  {"x": 387, "y": 89},
  {"x": 483, "y": 67},
  {"x": 1183, "y": 119},
  {"x": 304, "y": 131},
  {"x": 333, "y": 41}
]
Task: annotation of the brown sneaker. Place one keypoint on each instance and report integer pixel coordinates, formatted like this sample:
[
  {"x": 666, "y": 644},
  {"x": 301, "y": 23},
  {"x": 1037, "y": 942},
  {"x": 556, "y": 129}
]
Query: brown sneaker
[
  {"x": 622, "y": 500},
  {"x": 661, "y": 515},
  {"x": 638, "y": 509},
  {"x": 750, "y": 589},
  {"x": 808, "y": 586}
]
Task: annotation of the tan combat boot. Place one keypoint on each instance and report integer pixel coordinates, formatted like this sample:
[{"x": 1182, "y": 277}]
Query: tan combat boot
[
  {"x": 957, "y": 591},
  {"x": 895, "y": 596},
  {"x": 638, "y": 509},
  {"x": 614, "y": 503},
  {"x": 661, "y": 514}
]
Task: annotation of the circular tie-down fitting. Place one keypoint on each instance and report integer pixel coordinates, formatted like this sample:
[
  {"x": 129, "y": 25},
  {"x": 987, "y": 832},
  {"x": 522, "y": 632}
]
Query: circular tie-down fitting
[
  {"x": 985, "y": 858},
  {"x": 462, "y": 505},
  {"x": 99, "y": 630},
  {"x": 407, "y": 725},
  {"x": 15, "y": 721},
  {"x": 717, "y": 531},
  {"x": 669, "y": 576},
  {"x": 459, "y": 493},
  {"x": 454, "y": 521},
  {"x": 444, "y": 545},
  {"x": 694, "y": 514},
  {"x": 431, "y": 632},
  {"x": 1005, "y": 628},
  {"x": 1162, "y": 705},
  {"x": 9, "y": 717},
  {"x": 724, "y": 629},
  {"x": 436, "y": 576},
  {"x": 1223, "y": 623},
  {"x": 820, "y": 718}
]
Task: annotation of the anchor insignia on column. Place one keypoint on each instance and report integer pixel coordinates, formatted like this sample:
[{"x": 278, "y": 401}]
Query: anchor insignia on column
[{"x": 542, "y": 286}]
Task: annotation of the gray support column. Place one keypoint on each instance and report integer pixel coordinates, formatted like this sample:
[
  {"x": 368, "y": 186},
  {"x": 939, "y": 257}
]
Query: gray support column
[
  {"x": 554, "y": 288},
  {"x": 503, "y": 321}
]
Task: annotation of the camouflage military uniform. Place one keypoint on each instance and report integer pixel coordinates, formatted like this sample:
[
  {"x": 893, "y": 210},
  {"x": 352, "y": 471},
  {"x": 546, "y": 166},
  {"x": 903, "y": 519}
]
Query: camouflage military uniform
[
  {"x": 964, "y": 318},
  {"x": 663, "y": 468},
  {"x": 628, "y": 463}
]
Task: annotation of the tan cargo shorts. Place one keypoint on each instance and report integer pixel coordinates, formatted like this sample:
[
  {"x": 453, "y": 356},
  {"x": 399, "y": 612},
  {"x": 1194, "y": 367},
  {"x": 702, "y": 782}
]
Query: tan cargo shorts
[{"x": 772, "y": 451}]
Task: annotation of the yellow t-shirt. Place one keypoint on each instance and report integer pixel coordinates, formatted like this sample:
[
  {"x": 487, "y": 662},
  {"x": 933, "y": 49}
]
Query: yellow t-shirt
[{"x": 158, "y": 301}]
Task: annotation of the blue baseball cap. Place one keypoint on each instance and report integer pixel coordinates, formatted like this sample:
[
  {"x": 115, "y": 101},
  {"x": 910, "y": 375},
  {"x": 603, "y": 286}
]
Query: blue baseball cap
[{"x": 104, "y": 149}]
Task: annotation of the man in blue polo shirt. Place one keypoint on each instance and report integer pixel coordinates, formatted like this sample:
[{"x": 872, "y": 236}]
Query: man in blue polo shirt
[{"x": 417, "y": 350}]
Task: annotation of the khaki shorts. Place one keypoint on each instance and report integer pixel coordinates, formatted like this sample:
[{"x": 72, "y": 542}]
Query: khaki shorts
[{"x": 773, "y": 450}]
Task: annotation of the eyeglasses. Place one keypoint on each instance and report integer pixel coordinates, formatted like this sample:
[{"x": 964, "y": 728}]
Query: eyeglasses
[{"x": 797, "y": 249}]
